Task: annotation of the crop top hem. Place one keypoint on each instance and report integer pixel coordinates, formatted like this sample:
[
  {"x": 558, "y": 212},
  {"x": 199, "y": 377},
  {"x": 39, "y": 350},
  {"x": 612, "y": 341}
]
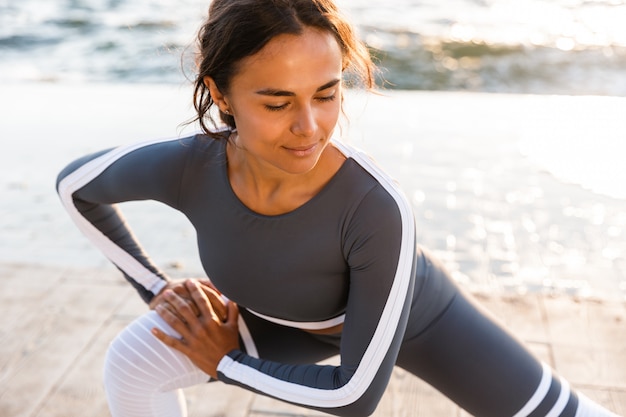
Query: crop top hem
[{"x": 303, "y": 325}]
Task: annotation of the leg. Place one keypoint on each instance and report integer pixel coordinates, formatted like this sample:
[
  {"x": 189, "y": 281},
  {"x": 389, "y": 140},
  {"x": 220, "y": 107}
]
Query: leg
[
  {"x": 482, "y": 368},
  {"x": 143, "y": 377}
]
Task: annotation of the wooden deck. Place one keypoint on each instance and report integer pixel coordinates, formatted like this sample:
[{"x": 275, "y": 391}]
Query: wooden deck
[{"x": 55, "y": 325}]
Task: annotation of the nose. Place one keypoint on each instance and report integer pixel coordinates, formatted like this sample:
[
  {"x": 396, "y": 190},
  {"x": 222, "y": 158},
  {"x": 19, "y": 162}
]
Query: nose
[{"x": 304, "y": 123}]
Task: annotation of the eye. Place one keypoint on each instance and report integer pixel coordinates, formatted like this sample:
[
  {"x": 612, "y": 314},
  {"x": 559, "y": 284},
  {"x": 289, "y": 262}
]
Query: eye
[
  {"x": 276, "y": 108},
  {"x": 327, "y": 99}
]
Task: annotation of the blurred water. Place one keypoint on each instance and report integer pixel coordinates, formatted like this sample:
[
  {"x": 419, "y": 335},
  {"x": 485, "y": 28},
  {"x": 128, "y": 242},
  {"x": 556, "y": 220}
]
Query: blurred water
[
  {"x": 512, "y": 46},
  {"x": 534, "y": 46},
  {"x": 468, "y": 162}
]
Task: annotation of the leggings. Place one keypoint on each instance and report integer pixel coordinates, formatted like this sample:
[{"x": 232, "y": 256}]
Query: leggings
[{"x": 464, "y": 355}]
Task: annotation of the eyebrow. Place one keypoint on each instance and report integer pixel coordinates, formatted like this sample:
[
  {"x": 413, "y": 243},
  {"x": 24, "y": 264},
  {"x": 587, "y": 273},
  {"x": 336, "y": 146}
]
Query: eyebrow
[{"x": 283, "y": 93}]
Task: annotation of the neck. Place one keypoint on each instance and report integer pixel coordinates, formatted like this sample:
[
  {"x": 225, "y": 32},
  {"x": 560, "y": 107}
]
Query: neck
[
  {"x": 268, "y": 190},
  {"x": 259, "y": 176}
]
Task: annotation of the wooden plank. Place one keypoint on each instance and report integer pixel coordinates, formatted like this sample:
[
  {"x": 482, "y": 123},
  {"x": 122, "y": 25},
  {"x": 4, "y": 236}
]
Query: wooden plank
[
  {"x": 65, "y": 322},
  {"x": 413, "y": 397},
  {"x": 267, "y": 407},
  {"x": 219, "y": 400},
  {"x": 607, "y": 321},
  {"x": 589, "y": 341},
  {"x": 56, "y": 324},
  {"x": 521, "y": 315},
  {"x": 80, "y": 393},
  {"x": 592, "y": 367},
  {"x": 21, "y": 299},
  {"x": 619, "y": 400},
  {"x": 132, "y": 307},
  {"x": 568, "y": 321},
  {"x": 106, "y": 275},
  {"x": 604, "y": 397}
]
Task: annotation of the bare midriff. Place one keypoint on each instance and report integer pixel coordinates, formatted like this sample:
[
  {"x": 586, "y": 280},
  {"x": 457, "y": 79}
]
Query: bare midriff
[{"x": 329, "y": 330}]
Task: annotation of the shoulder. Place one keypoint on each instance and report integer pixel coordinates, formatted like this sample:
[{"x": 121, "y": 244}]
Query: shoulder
[
  {"x": 379, "y": 206},
  {"x": 197, "y": 148},
  {"x": 197, "y": 143},
  {"x": 382, "y": 221},
  {"x": 377, "y": 189}
]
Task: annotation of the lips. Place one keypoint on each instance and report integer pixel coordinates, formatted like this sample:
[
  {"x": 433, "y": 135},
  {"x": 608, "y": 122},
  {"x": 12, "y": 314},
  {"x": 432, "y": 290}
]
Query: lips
[{"x": 304, "y": 150}]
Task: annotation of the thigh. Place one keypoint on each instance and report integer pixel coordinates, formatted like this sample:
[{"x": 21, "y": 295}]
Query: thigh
[
  {"x": 473, "y": 361},
  {"x": 283, "y": 344}
]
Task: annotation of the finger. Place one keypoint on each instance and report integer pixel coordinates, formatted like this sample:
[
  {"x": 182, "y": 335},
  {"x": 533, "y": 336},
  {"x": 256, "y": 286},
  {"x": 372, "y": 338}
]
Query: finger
[
  {"x": 174, "y": 322},
  {"x": 180, "y": 305},
  {"x": 191, "y": 304},
  {"x": 233, "y": 314},
  {"x": 217, "y": 302},
  {"x": 175, "y": 312},
  {"x": 167, "y": 306},
  {"x": 201, "y": 300},
  {"x": 170, "y": 341},
  {"x": 173, "y": 285},
  {"x": 182, "y": 291},
  {"x": 207, "y": 283}
]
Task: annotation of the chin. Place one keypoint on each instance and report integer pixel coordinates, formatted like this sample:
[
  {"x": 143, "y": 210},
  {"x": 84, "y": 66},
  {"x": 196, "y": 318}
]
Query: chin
[
  {"x": 301, "y": 167},
  {"x": 300, "y": 170}
]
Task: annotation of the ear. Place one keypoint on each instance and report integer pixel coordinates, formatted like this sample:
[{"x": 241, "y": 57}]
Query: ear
[{"x": 216, "y": 95}]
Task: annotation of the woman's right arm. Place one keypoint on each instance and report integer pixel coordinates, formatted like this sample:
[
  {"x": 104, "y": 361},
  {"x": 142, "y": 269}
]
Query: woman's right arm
[{"x": 91, "y": 186}]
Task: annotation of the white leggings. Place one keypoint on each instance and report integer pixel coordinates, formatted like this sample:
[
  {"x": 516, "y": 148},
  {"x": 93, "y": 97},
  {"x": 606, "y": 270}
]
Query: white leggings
[{"x": 143, "y": 377}]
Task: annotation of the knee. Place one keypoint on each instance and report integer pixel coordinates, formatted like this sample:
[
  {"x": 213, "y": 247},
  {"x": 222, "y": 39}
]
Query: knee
[
  {"x": 138, "y": 361},
  {"x": 135, "y": 358}
]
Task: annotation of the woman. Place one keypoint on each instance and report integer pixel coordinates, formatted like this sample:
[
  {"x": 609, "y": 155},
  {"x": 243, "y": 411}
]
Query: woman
[{"x": 312, "y": 242}]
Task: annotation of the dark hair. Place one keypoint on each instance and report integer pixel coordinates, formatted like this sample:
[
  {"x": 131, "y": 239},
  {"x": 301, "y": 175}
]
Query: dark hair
[{"x": 236, "y": 29}]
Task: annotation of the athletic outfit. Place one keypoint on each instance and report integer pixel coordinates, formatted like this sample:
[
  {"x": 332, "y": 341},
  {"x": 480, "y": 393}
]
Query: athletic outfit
[{"x": 346, "y": 256}]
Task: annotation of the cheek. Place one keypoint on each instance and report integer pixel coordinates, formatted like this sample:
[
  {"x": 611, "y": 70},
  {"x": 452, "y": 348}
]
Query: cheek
[
  {"x": 256, "y": 124},
  {"x": 327, "y": 113},
  {"x": 331, "y": 117}
]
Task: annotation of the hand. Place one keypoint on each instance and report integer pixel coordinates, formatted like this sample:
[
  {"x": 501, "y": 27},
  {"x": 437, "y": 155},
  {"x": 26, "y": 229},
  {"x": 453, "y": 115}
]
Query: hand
[
  {"x": 205, "y": 338},
  {"x": 179, "y": 287}
]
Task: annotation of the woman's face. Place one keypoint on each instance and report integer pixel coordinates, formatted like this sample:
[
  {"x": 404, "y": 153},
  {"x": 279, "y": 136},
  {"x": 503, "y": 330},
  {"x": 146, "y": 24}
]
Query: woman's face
[{"x": 286, "y": 101}]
